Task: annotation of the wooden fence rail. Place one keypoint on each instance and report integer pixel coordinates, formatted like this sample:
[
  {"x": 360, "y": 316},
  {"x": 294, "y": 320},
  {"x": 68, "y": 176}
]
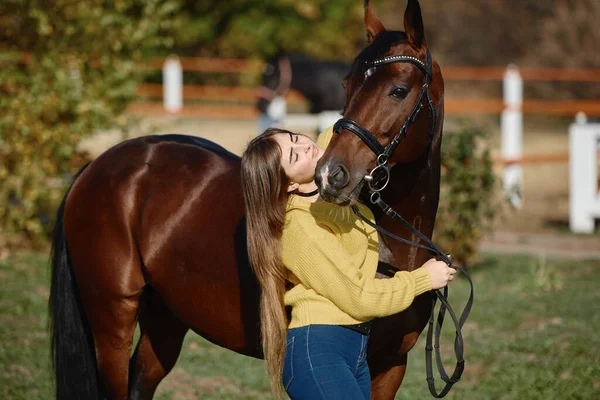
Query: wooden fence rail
[
  {"x": 454, "y": 106},
  {"x": 239, "y": 94},
  {"x": 254, "y": 66},
  {"x": 244, "y": 97}
]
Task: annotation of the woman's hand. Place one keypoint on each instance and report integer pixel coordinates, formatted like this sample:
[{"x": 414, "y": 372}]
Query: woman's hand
[{"x": 439, "y": 273}]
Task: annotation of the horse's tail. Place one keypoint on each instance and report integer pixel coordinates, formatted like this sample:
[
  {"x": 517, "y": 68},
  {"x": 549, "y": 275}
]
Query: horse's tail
[{"x": 72, "y": 346}]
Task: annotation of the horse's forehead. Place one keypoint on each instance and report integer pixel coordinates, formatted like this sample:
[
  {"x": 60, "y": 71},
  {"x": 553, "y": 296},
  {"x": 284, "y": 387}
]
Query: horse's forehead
[
  {"x": 403, "y": 48},
  {"x": 391, "y": 71}
]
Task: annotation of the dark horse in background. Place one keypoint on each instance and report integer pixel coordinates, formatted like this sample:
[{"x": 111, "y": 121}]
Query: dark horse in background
[
  {"x": 152, "y": 232},
  {"x": 320, "y": 82}
]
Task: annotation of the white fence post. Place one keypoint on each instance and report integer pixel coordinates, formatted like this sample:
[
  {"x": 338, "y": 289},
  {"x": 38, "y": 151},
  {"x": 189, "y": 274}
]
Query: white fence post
[
  {"x": 584, "y": 202},
  {"x": 172, "y": 85},
  {"x": 512, "y": 134},
  {"x": 277, "y": 115},
  {"x": 326, "y": 119}
]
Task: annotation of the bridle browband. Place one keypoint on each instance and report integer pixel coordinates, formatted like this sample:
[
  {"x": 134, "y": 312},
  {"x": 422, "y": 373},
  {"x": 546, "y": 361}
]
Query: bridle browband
[{"x": 377, "y": 180}]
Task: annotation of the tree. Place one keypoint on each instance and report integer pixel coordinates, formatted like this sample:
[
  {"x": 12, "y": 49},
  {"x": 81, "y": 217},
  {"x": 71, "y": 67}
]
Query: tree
[
  {"x": 67, "y": 69},
  {"x": 263, "y": 28}
]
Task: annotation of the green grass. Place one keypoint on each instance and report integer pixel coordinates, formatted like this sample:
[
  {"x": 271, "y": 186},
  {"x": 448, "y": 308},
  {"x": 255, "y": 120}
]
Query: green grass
[{"x": 532, "y": 334}]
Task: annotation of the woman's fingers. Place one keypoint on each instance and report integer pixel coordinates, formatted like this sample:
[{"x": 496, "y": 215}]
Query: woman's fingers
[{"x": 452, "y": 272}]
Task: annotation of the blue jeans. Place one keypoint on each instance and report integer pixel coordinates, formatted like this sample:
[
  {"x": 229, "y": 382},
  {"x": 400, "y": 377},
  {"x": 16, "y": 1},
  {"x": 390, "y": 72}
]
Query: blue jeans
[{"x": 326, "y": 362}]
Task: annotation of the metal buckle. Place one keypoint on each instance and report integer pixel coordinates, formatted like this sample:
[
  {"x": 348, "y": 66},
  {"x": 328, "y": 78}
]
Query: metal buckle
[{"x": 379, "y": 178}]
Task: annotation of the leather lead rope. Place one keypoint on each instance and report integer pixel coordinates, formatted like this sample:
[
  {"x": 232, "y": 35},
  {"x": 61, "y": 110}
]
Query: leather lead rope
[{"x": 442, "y": 296}]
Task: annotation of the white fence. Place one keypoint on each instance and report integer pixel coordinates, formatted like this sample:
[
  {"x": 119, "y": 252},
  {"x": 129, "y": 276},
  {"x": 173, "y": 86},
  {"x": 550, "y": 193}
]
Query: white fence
[
  {"x": 511, "y": 127},
  {"x": 172, "y": 85},
  {"x": 318, "y": 122},
  {"x": 584, "y": 199}
]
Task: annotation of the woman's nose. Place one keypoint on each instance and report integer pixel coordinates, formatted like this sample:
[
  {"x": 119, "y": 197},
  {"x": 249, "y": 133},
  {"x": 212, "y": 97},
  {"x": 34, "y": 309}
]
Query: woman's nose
[{"x": 303, "y": 148}]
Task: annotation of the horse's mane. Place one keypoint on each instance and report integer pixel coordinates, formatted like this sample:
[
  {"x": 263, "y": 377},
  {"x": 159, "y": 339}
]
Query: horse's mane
[{"x": 375, "y": 50}]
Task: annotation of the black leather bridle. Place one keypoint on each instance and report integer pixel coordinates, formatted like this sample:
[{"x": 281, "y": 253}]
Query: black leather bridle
[
  {"x": 380, "y": 175},
  {"x": 377, "y": 180}
]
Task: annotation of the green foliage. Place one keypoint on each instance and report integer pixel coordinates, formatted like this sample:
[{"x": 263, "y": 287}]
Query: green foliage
[
  {"x": 468, "y": 195},
  {"x": 263, "y": 28},
  {"x": 67, "y": 69}
]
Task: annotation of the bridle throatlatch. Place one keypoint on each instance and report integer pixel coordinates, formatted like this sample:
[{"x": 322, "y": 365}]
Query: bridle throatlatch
[{"x": 378, "y": 180}]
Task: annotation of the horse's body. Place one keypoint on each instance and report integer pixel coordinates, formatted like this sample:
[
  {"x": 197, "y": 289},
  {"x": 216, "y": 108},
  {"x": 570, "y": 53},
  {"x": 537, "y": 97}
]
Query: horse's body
[
  {"x": 320, "y": 82},
  {"x": 153, "y": 231}
]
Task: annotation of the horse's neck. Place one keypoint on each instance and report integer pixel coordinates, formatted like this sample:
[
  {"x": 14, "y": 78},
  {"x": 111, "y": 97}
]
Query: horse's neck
[{"x": 414, "y": 194}]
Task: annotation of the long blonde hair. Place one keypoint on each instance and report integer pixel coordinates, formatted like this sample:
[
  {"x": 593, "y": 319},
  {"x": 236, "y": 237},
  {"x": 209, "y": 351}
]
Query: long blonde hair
[{"x": 264, "y": 184}]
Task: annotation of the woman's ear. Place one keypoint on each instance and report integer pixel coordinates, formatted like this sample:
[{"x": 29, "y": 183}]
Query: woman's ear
[{"x": 292, "y": 186}]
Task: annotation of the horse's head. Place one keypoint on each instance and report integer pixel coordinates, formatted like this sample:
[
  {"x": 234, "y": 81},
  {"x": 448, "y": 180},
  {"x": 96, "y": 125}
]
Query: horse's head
[
  {"x": 276, "y": 80},
  {"x": 393, "y": 109}
]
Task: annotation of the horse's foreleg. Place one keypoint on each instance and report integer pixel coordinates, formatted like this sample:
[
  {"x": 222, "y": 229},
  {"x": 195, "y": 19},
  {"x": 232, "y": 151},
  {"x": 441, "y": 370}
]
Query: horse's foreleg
[
  {"x": 162, "y": 335},
  {"x": 385, "y": 385}
]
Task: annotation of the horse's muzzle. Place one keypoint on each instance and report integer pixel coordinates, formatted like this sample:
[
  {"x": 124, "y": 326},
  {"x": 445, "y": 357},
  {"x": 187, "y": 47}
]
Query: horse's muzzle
[{"x": 332, "y": 179}]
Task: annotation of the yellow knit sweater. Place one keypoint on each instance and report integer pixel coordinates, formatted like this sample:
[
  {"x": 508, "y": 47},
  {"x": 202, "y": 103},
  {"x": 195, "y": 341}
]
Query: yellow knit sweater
[{"x": 332, "y": 257}]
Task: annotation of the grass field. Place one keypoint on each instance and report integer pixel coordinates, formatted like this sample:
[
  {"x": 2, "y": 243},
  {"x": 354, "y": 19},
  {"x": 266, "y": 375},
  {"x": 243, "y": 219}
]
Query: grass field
[{"x": 533, "y": 334}]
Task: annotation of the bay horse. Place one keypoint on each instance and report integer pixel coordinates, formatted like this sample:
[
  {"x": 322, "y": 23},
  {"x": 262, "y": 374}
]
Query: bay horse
[{"x": 153, "y": 232}]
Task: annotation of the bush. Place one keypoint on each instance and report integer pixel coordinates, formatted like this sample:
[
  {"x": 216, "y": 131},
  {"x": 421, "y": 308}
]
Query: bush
[
  {"x": 67, "y": 69},
  {"x": 468, "y": 195}
]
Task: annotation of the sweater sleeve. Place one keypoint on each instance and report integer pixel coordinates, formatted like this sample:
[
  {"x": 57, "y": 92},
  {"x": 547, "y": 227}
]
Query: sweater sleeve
[{"x": 321, "y": 263}]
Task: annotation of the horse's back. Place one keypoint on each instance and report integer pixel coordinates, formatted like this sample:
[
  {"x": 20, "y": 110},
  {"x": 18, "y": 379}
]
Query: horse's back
[{"x": 169, "y": 171}]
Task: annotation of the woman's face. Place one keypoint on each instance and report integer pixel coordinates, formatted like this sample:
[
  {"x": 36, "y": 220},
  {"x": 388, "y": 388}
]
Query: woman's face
[{"x": 299, "y": 156}]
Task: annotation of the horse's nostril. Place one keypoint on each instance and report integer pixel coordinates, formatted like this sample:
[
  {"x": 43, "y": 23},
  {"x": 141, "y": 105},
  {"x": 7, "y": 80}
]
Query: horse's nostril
[
  {"x": 339, "y": 177},
  {"x": 318, "y": 179}
]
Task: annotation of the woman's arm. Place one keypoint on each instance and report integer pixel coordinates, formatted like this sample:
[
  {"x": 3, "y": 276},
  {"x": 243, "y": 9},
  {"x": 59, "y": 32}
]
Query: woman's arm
[{"x": 319, "y": 260}]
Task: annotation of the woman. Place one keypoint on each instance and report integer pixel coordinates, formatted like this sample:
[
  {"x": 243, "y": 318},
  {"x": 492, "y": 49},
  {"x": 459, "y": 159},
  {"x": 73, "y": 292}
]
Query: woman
[{"x": 319, "y": 259}]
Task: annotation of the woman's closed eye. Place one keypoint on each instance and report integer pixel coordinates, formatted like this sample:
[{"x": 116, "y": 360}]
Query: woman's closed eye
[
  {"x": 293, "y": 139},
  {"x": 293, "y": 156}
]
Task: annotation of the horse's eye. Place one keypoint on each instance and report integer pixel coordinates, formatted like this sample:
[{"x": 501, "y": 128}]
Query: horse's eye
[
  {"x": 399, "y": 92},
  {"x": 269, "y": 69}
]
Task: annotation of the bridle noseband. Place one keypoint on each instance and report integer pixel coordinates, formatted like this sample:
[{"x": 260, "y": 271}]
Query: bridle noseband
[
  {"x": 377, "y": 180},
  {"x": 379, "y": 177}
]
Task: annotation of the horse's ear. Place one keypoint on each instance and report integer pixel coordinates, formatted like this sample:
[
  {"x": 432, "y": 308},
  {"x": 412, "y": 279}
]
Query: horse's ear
[
  {"x": 372, "y": 23},
  {"x": 413, "y": 23}
]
